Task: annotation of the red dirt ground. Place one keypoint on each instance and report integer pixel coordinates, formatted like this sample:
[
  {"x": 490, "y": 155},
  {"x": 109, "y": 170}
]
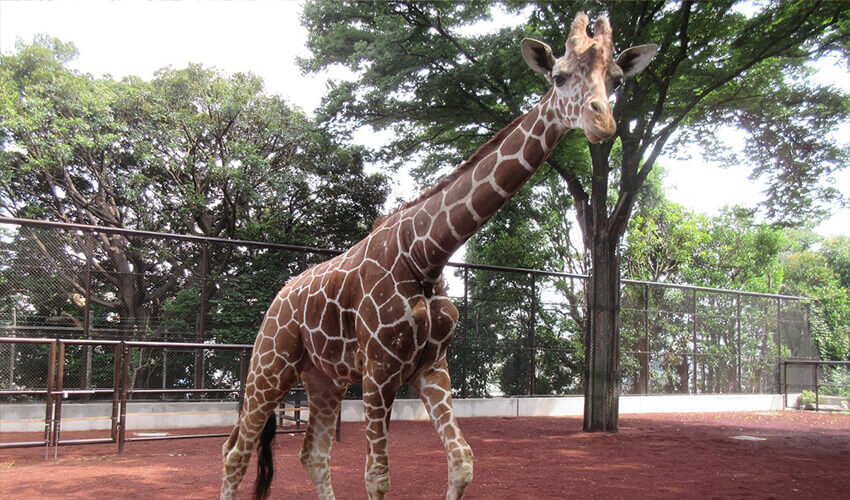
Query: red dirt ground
[{"x": 804, "y": 455}]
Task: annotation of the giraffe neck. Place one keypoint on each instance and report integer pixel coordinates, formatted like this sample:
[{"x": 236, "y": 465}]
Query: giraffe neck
[{"x": 450, "y": 213}]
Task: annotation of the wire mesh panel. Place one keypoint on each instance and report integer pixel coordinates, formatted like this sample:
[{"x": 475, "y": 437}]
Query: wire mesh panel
[
  {"x": 670, "y": 339},
  {"x": 634, "y": 340},
  {"x": 497, "y": 345},
  {"x": 179, "y": 373},
  {"x": 559, "y": 334},
  {"x": 793, "y": 326},
  {"x": 758, "y": 345},
  {"x": 716, "y": 346},
  {"x": 43, "y": 282},
  {"x": 88, "y": 367},
  {"x": 24, "y": 368}
]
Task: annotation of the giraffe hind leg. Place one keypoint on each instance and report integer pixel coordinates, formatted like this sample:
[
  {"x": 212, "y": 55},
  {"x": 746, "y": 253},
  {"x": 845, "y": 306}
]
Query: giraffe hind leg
[
  {"x": 269, "y": 380},
  {"x": 325, "y": 398}
]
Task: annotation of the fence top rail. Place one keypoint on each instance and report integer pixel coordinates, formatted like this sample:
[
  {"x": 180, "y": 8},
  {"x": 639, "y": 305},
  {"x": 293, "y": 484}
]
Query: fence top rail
[
  {"x": 176, "y": 345},
  {"x": 25, "y": 340},
  {"x": 325, "y": 251},
  {"x": 170, "y": 236},
  {"x": 815, "y": 362},
  {"x": 719, "y": 290},
  {"x": 88, "y": 341},
  {"x": 188, "y": 345}
]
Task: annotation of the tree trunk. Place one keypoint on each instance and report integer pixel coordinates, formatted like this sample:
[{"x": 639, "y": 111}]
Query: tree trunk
[{"x": 602, "y": 341}]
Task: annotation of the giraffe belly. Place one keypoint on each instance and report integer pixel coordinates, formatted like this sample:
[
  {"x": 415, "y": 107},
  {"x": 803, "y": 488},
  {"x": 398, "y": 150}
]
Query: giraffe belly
[{"x": 338, "y": 358}]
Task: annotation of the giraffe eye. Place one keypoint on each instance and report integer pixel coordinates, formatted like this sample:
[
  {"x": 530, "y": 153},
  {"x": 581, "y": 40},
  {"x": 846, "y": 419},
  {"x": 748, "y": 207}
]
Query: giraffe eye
[{"x": 559, "y": 80}]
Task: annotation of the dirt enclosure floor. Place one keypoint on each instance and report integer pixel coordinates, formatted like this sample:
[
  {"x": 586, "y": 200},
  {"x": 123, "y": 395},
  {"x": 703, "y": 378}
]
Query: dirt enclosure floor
[{"x": 799, "y": 455}]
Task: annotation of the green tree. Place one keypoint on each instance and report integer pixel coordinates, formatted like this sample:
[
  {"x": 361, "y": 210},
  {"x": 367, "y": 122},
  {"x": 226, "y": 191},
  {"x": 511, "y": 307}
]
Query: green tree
[
  {"x": 811, "y": 273},
  {"x": 444, "y": 91},
  {"x": 193, "y": 152}
]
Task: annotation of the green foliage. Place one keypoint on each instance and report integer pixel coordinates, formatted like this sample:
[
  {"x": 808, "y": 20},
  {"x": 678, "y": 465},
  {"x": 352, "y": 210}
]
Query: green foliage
[
  {"x": 807, "y": 400},
  {"x": 836, "y": 250},
  {"x": 192, "y": 151},
  {"x": 836, "y": 381},
  {"x": 809, "y": 273},
  {"x": 444, "y": 90}
]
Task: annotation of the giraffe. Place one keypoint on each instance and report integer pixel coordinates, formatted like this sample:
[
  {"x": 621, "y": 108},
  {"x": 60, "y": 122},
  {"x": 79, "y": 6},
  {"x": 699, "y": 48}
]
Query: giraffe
[{"x": 379, "y": 314}]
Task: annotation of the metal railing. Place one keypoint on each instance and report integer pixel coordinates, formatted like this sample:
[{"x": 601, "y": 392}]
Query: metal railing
[{"x": 120, "y": 391}]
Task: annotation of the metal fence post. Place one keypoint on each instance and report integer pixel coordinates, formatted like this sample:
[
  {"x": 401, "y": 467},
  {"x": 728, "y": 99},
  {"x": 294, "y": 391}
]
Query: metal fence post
[
  {"x": 57, "y": 405},
  {"x": 532, "y": 341},
  {"x": 738, "y": 358},
  {"x": 808, "y": 338},
  {"x": 48, "y": 400},
  {"x": 243, "y": 376},
  {"x": 644, "y": 365},
  {"x": 785, "y": 386},
  {"x": 465, "y": 343},
  {"x": 298, "y": 412},
  {"x": 201, "y": 324},
  {"x": 817, "y": 388},
  {"x": 164, "y": 371},
  {"x": 778, "y": 342},
  {"x": 12, "y": 348},
  {"x": 116, "y": 388},
  {"x": 125, "y": 382},
  {"x": 87, "y": 349},
  {"x": 694, "y": 332}
]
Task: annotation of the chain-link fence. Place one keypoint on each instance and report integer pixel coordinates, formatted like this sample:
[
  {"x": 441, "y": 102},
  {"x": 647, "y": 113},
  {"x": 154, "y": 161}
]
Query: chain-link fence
[
  {"x": 520, "y": 332},
  {"x": 817, "y": 385}
]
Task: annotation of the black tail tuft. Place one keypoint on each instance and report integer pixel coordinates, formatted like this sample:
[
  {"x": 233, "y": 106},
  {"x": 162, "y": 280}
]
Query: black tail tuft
[{"x": 265, "y": 461}]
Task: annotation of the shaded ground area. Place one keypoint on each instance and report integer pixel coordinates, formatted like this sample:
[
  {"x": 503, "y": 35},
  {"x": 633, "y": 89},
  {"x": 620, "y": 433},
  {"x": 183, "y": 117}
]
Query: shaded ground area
[{"x": 803, "y": 455}]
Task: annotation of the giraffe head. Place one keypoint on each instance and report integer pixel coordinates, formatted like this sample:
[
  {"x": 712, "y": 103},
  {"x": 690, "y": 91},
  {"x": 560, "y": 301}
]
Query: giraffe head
[{"x": 586, "y": 75}]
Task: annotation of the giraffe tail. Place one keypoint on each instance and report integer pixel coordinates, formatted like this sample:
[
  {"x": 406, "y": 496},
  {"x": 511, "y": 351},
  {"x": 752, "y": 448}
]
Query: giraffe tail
[{"x": 265, "y": 461}]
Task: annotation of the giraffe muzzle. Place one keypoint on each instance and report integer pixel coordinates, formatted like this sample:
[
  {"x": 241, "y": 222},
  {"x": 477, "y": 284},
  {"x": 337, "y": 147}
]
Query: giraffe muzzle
[{"x": 599, "y": 121}]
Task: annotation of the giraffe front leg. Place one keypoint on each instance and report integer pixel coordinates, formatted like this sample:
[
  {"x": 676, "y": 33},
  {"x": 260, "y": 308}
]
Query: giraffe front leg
[
  {"x": 378, "y": 396},
  {"x": 325, "y": 398},
  {"x": 435, "y": 389}
]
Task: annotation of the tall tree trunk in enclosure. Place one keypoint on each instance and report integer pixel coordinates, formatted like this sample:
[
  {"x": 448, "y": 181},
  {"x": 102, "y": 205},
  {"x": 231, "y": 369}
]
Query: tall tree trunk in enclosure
[{"x": 602, "y": 341}]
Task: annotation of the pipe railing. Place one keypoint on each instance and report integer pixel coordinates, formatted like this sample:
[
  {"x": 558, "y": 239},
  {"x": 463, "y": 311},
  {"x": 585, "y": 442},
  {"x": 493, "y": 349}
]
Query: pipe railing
[{"x": 56, "y": 393}]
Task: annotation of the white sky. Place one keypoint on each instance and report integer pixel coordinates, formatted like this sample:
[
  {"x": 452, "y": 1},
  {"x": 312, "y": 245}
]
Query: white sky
[{"x": 265, "y": 37}]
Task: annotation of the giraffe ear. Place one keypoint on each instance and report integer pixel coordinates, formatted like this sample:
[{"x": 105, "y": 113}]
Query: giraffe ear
[
  {"x": 538, "y": 56},
  {"x": 635, "y": 59}
]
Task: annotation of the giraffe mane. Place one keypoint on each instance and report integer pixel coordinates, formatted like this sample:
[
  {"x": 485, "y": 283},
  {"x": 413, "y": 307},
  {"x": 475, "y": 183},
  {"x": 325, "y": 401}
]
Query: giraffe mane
[{"x": 488, "y": 147}]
